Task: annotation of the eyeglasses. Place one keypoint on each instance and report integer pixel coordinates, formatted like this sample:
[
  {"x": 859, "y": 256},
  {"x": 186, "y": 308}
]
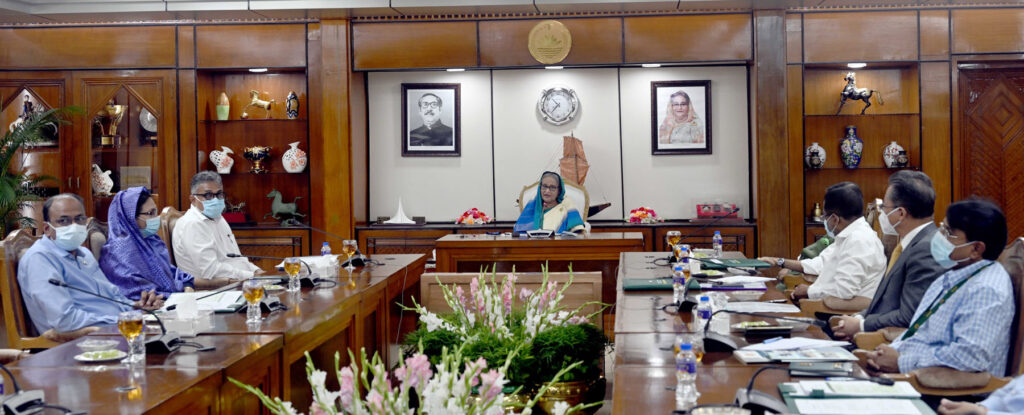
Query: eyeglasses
[
  {"x": 67, "y": 220},
  {"x": 948, "y": 233},
  {"x": 551, "y": 188},
  {"x": 210, "y": 195},
  {"x": 680, "y": 104},
  {"x": 151, "y": 212},
  {"x": 433, "y": 105}
]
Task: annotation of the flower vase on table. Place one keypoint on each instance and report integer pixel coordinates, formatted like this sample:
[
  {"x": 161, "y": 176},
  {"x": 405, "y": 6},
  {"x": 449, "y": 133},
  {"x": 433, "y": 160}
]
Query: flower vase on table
[{"x": 851, "y": 148}]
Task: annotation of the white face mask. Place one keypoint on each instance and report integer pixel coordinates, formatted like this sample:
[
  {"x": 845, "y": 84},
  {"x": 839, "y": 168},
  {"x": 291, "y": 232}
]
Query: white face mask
[
  {"x": 883, "y": 220},
  {"x": 70, "y": 237}
]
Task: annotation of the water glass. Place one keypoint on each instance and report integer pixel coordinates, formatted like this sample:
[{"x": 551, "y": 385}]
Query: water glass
[
  {"x": 349, "y": 248},
  {"x": 292, "y": 266},
  {"x": 253, "y": 291},
  {"x": 130, "y": 324}
]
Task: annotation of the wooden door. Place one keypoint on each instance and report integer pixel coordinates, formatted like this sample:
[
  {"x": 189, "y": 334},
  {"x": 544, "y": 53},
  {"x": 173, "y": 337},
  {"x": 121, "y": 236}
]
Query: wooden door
[{"x": 990, "y": 150}]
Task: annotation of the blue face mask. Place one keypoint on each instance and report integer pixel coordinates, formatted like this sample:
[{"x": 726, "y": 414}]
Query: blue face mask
[
  {"x": 828, "y": 230},
  {"x": 213, "y": 208},
  {"x": 942, "y": 248},
  {"x": 70, "y": 237},
  {"x": 152, "y": 226}
]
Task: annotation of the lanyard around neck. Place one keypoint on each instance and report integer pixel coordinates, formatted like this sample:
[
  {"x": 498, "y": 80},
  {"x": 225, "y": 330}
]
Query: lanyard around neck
[{"x": 935, "y": 305}]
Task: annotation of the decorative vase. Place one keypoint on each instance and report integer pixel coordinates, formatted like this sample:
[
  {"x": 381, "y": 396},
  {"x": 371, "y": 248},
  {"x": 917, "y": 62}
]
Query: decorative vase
[
  {"x": 223, "y": 107},
  {"x": 890, "y": 153},
  {"x": 102, "y": 184},
  {"x": 814, "y": 156},
  {"x": 294, "y": 159},
  {"x": 573, "y": 393},
  {"x": 901, "y": 159},
  {"x": 291, "y": 107},
  {"x": 222, "y": 160},
  {"x": 851, "y": 148},
  {"x": 256, "y": 156}
]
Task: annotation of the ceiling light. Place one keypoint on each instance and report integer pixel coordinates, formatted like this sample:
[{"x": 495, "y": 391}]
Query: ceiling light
[
  {"x": 257, "y": 70},
  {"x": 856, "y": 65},
  {"x": 651, "y": 65},
  {"x": 553, "y": 67},
  {"x": 456, "y": 69}
]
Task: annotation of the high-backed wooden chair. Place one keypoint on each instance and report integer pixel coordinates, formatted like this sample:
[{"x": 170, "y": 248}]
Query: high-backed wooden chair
[
  {"x": 21, "y": 333},
  {"x": 578, "y": 194},
  {"x": 943, "y": 381},
  {"x": 168, "y": 218},
  {"x": 586, "y": 287},
  {"x": 97, "y": 232}
]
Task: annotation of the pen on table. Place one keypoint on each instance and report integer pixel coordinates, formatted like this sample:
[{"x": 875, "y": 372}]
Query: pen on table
[
  {"x": 779, "y": 300},
  {"x": 772, "y": 340}
]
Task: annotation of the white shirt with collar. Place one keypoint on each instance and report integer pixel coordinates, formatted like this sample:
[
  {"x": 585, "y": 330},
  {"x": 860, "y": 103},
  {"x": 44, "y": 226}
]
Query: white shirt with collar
[
  {"x": 202, "y": 245},
  {"x": 851, "y": 267}
]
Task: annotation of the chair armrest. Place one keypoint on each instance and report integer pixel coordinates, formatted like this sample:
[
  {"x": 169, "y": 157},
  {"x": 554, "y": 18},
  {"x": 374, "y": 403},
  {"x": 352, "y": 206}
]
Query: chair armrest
[
  {"x": 869, "y": 340},
  {"x": 792, "y": 281},
  {"x": 59, "y": 337},
  {"x": 892, "y": 333},
  {"x": 10, "y": 355},
  {"x": 838, "y": 305},
  {"x": 944, "y": 381}
]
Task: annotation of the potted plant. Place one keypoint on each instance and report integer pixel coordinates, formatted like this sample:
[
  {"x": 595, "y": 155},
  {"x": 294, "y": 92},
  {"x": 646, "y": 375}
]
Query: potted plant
[{"x": 16, "y": 185}]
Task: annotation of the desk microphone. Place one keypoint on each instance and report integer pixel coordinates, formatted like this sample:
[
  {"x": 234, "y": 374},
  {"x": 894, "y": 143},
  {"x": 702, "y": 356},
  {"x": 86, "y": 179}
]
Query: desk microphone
[
  {"x": 166, "y": 342},
  {"x": 758, "y": 402},
  {"x": 358, "y": 260},
  {"x": 717, "y": 342},
  {"x": 27, "y": 402},
  {"x": 308, "y": 281},
  {"x": 704, "y": 226}
]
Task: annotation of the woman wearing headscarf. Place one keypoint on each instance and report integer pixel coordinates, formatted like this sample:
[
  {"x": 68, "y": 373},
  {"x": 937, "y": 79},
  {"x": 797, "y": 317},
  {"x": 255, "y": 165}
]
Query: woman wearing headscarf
[
  {"x": 681, "y": 124},
  {"x": 134, "y": 258},
  {"x": 550, "y": 209}
]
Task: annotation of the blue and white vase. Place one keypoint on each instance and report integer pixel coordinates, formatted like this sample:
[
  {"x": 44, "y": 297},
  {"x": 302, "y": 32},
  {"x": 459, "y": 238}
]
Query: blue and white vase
[{"x": 851, "y": 148}]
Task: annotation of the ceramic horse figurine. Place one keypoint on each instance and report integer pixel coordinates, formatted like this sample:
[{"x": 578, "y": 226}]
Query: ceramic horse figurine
[
  {"x": 255, "y": 101},
  {"x": 277, "y": 207},
  {"x": 857, "y": 94}
]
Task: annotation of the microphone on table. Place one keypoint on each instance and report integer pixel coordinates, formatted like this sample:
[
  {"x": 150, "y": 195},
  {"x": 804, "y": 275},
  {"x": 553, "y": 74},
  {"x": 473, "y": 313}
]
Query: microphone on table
[
  {"x": 758, "y": 402},
  {"x": 748, "y": 271},
  {"x": 166, "y": 342},
  {"x": 717, "y": 342},
  {"x": 27, "y": 402},
  {"x": 358, "y": 260},
  {"x": 704, "y": 226},
  {"x": 308, "y": 281}
]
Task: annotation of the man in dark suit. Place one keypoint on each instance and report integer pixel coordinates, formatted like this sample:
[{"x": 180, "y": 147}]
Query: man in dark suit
[
  {"x": 907, "y": 210},
  {"x": 433, "y": 132}
]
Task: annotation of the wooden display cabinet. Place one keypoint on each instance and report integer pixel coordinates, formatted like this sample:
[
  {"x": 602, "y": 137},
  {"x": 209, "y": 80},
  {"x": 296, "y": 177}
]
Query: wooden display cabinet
[
  {"x": 896, "y": 119},
  {"x": 48, "y": 157}
]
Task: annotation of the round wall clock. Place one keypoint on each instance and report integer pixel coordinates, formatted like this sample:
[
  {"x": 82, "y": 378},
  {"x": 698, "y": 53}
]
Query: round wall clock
[{"x": 558, "y": 105}]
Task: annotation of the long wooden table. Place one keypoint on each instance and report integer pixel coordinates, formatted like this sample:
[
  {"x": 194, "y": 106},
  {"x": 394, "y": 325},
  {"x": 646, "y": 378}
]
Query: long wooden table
[
  {"x": 269, "y": 355},
  {"x": 644, "y": 361},
  {"x": 598, "y": 251}
]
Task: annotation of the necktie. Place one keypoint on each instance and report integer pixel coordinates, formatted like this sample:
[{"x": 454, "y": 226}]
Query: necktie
[{"x": 895, "y": 255}]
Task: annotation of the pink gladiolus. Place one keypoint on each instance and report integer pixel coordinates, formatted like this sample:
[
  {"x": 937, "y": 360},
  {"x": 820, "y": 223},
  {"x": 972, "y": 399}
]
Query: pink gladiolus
[
  {"x": 506, "y": 297},
  {"x": 578, "y": 320},
  {"x": 347, "y": 381},
  {"x": 525, "y": 294},
  {"x": 375, "y": 401},
  {"x": 492, "y": 385},
  {"x": 460, "y": 295},
  {"x": 418, "y": 370},
  {"x": 315, "y": 409}
]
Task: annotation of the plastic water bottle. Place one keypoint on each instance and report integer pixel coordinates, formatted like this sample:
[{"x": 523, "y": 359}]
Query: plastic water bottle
[
  {"x": 702, "y": 314},
  {"x": 716, "y": 243},
  {"x": 678, "y": 282},
  {"x": 325, "y": 250},
  {"x": 686, "y": 378}
]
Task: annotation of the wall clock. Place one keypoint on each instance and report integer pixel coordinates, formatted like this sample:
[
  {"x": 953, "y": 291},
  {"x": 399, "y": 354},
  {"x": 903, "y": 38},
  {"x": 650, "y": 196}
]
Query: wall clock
[{"x": 558, "y": 105}]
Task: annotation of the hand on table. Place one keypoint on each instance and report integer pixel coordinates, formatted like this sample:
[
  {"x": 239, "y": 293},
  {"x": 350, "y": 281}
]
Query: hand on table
[
  {"x": 948, "y": 407},
  {"x": 799, "y": 292},
  {"x": 149, "y": 300},
  {"x": 189, "y": 289},
  {"x": 846, "y": 328},
  {"x": 884, "y": 359}
]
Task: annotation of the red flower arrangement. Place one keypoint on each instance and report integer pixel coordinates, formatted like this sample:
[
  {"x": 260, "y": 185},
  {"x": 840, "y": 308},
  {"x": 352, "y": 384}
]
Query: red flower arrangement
[
  {"x": 643, "y": 215},
  {"x": 473, "y": 216}
]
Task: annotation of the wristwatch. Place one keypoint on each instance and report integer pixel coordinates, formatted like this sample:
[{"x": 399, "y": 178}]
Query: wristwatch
[{"x": 780, "y": 261}]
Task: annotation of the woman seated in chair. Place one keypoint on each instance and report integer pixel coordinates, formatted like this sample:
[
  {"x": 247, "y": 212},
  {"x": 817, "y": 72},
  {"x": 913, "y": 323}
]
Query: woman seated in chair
[
  {"x": 134, "y": 258},
  {"x": 550, "y": 209}
]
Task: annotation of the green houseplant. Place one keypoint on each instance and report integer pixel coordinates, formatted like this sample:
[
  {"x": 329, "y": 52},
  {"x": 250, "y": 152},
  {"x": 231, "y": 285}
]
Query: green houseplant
[{"x": 16, "y": 185}]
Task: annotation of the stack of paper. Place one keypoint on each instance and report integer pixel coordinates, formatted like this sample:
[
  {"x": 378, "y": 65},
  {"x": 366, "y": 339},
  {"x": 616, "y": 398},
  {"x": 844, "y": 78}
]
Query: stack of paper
[
  {"x": 224, "y": 301},
  {"x": 759, "y": 307},
  {"x": 796, "y": 343}
]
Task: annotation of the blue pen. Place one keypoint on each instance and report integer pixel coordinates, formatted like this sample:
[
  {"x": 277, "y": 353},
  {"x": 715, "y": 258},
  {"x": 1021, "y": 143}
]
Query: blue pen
[{"x": 772, "y": 340}]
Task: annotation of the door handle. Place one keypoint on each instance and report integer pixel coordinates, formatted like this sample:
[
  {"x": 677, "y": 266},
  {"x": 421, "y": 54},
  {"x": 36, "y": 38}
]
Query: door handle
[
  {"x": 69, "y": 182},
  {"x": 78, "y": 182}
]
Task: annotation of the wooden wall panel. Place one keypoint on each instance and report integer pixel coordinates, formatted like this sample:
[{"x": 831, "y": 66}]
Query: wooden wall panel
[
  {"x": 248, "y": 46},
  {"x": 794, "y": 38},
  {"x": 87, "y": 47},
  {"x": 189, "y": 162},
  {"x": 594, "y": 41},
  {"x": 331, "y": 132},
  {"x": 186, "y": 46},
  {"x": 860, "y": 36},
  {"x": 712, "y": 37},
  {"x": 936, "y": 146},
  {"x": 771, "y": 147},
  {"x": 360, "y": 148},
  {"x": 934, "y": 34},
  {"x": 795, "y": 138},
  {"x": 414, "y": 45},
  {"x": 988, "y": 30}
]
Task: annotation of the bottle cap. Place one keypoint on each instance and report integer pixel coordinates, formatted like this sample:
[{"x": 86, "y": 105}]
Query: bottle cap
[
  {"x": 705, "y": 298},
  {"x": 678, "y": 266},
  {"x": 718, "y": 233},
  {"x": 325, "y": 243},
  {"x": 685, "y": 346}
]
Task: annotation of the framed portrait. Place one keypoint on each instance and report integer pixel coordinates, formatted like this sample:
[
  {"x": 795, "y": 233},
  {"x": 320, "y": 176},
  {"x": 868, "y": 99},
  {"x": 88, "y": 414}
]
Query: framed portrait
[
  {"x": 430, "y": 120},
  {"x": 681, "y": 117}
]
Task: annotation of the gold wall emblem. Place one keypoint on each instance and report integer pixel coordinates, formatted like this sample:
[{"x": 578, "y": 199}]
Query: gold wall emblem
[{"x": 549, "y": 42}]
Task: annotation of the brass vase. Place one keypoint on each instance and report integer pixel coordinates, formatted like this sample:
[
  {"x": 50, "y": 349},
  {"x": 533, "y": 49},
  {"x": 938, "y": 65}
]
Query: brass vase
[
  {"x": 256, "y": 156},
  {"x": 573, "y": 393}
]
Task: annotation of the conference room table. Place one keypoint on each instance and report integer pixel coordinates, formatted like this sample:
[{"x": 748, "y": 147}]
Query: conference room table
[
  {"x": 358, "y": 312},
  {"x": 644, "y": 373}
]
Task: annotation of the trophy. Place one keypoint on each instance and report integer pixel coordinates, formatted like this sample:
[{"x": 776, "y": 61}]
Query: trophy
[
  {"x": 113, "y": 113},
  {"x": 256, "y": 156}
]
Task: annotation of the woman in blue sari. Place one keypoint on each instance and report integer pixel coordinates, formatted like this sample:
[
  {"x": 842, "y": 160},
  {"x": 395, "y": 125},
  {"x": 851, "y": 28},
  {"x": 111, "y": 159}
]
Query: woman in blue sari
[
  {"x": 550, "y": 209},
  {"x": 134, "y": 258}
]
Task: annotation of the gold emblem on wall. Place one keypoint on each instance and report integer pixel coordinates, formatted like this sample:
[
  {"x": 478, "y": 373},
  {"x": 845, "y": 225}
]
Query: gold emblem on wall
[{"x": 549, "y": 42}]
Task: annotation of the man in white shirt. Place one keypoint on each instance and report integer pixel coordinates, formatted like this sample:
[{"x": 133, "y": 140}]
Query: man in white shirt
[
  {"x": 851, "y": 268},
  {"x": 202, "y": 238}
]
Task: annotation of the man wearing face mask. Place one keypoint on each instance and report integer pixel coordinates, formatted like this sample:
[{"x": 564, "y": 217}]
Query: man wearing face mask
[
  {"x": 202, "y": 238},
  {"x": 852, "y": 266},
  {"x": 963, "y": 320},
  {"x": 59, "y": 255},
  {"x": 907, "y": 211}
]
